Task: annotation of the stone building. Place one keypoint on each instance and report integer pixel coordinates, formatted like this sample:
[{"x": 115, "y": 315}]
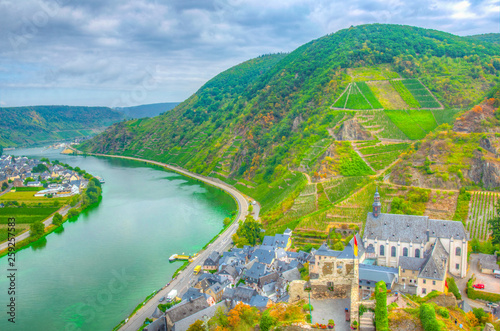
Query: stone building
[{"x": 423, "y": 249}]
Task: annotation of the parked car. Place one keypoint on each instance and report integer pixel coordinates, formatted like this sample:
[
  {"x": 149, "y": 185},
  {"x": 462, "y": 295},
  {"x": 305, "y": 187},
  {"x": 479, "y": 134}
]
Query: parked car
[
  {"x": 492, "y": 305},
  {"x": 162, "y": 299},
  {"x": 479, "y": 286}
]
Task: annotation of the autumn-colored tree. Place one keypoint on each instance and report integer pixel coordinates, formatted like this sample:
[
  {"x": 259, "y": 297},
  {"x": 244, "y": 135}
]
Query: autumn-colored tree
[
  {"x": 242, "y": 317},
  {"x": 196, "y": 326}
]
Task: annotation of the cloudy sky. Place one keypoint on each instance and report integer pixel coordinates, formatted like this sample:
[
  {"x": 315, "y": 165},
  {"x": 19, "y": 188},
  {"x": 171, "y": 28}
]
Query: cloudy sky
[{"x": 129, "y": 52}]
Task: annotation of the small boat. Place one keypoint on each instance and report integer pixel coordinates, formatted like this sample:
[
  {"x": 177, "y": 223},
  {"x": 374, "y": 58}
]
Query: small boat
[
  {"x": 100, "y": 179},
  {"x": 172, "y": 258}
]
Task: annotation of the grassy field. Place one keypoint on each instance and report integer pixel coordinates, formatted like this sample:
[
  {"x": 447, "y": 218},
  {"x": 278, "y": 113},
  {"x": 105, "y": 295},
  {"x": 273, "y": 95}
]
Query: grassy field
[
  {"x": 382, "y": 156},
  {"x": 389, "y": 98},
  {"x": 380, "y": 72},
  {"x": 414, "y": 123},
  {"x": 380, "y": 124},
  {"x": 357, "y": 96},
  {"x": 405, "y": 94},
  {"x": 420, "y": 93},
  {"x": 445, "y": 115}
]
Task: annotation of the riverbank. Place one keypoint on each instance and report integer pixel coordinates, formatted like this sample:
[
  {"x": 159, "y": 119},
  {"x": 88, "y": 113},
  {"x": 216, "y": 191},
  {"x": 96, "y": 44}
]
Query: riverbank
[{"x": 181, "y": 281}]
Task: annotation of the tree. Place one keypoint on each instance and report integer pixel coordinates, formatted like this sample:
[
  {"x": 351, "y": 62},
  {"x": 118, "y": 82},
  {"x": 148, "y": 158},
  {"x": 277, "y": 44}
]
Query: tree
[
  {"x": 248, "y": 233},
  {"x": 196, "y": 326},
  {"x": 4, "y": 186},
  {"x": 37, "y": 229},
  {"x": 495, "y": 226},
  {"x": 1, "y": 150},
  {"x": 381, "y": 313},
  {"x": 266, "y": 321},
  {"x": 72, "y": 212},
  {"x": 57, "y": 220}
]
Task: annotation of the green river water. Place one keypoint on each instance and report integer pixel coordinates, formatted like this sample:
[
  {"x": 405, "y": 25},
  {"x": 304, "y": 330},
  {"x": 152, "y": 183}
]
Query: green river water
[{"x": 93, "y": 273}]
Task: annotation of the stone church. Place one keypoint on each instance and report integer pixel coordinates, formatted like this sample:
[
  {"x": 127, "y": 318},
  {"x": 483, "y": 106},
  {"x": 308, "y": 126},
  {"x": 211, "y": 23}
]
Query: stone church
[{"x": 424, "y": 250}]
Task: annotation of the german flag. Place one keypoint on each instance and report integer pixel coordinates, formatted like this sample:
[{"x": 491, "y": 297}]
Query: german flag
[{"x": 355, "y": 248}]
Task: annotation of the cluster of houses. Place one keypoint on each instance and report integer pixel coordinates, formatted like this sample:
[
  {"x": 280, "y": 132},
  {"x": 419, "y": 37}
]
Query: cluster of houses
[
  {"x": 257, "y": 276},
  {"x": 412, "y": 254},
  {"x": 56, "y": 179}
]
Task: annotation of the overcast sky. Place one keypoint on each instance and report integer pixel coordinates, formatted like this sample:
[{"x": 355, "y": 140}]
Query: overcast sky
[{"x": 130, "y": 52}]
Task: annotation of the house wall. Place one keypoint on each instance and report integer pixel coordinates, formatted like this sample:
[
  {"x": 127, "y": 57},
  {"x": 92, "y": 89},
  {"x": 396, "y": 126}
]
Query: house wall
[
  {"x": 408, "y": 277},
  {"x": 429, "y": 286}
]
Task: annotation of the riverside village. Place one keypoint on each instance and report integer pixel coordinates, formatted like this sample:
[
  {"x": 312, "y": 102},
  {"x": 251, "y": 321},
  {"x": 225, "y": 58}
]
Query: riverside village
[
  {"x": 52, "y": 180},
  {"x": 408, "y": 256}
]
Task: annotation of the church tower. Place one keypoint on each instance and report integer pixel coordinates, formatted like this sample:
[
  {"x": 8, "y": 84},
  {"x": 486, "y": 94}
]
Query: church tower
[{"x": 376, "y": 204}]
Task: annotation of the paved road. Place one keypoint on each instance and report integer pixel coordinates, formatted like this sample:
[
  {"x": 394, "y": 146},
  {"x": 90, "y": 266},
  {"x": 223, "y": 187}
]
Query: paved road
[
  {"x": 462, "y": 283},
  {"x": 182, "y": 281},
  {"x": 63, "y": 211}
]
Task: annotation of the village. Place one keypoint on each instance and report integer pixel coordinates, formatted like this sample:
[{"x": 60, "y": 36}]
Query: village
[
  {"x": 53, "y": 179},
  {"x": 412, "y": 255}
]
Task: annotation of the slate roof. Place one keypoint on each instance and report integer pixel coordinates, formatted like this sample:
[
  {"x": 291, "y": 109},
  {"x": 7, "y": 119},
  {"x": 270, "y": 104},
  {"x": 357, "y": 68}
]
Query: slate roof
[
  {"x": 411, "y": 263},
  {"x": 278, "y": 240},
  {"x": 259, "y": 301},
  {"x": 488, "y": 261},
  {"x": 204, "y": 314},
  {"x": 185, "y": 309},
  {"x": 435, "y": 264},
  {"x": 229, "y": 270},
  {"x": 375, "y": 273},
  {"x": 191, "y": 294},
  {"x": 291, "y": 275},
  {"x": 411, "y": 228},
  {"x": 256, "y": 271},
  {"x": 326, "y": 251},
  {"x": 263, "y": 255},
  {"x": 241, "y": 293}
]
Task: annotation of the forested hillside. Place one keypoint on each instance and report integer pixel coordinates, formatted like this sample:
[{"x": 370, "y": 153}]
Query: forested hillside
[
  {"x": 149, "y": 110},
  {"x": 39, "y": 124},
  {"x": 308, "y": 133}
]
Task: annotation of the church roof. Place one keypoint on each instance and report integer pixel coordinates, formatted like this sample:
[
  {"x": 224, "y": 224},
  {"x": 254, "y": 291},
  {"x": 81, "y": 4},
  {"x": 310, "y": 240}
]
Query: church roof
[
  {"x": 435, "y": 264},
  {"x": 411, "y": 228}
]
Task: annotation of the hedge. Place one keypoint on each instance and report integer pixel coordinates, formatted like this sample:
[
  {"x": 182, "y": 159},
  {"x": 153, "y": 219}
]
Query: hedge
[
  {"x": 453, "y": 288},
  {"x": 381, "y": 313},
  {"x": 474, "y": 294}
]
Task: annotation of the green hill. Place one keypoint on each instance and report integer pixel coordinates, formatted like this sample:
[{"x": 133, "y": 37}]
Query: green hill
[
  {"x": 149, "y": 110},
  {"x": 41, "y": 124},
  {"x": 266, "y": 123}
]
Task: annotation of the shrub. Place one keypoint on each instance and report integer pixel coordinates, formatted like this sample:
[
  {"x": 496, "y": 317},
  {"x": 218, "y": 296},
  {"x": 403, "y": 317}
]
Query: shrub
[
  {"x": 428, "y": 318},
  {"x": 453, "y": 288},
  {"x": 381, "y": 313},
  {"x": 362, "y": 310},
  {"x": 307, "y": 306},
  {"x": 443, "y": 312}
]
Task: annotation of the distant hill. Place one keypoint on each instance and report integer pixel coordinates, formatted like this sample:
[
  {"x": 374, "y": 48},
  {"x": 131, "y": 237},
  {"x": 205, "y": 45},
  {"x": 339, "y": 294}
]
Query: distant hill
[
  {"x": 39, "y": 124},
  {"x": 488, "y": 37},
  {"x": 150, "y": 110},
  {"x": 301, "y": 132}
]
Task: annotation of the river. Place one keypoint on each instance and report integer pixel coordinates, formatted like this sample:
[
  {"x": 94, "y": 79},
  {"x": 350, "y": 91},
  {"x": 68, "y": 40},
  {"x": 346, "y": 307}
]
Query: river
[{"x": 93, "y": 273}]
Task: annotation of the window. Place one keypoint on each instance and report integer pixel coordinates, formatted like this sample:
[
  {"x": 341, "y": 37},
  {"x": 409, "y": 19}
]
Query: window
[
  {"x": 417, "y": 252},
  {"x": 393, "y": 251},
  {"x": 433, "y": 282},
  {"x": 457, "y": 266},
  {"x": 382, "y": 248},
  {"x": 424, "y": 281},
  {"x": 424, "y": 291},
  {"x": 405, "y": 251},
  {"x": 457, "y": 251}
]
